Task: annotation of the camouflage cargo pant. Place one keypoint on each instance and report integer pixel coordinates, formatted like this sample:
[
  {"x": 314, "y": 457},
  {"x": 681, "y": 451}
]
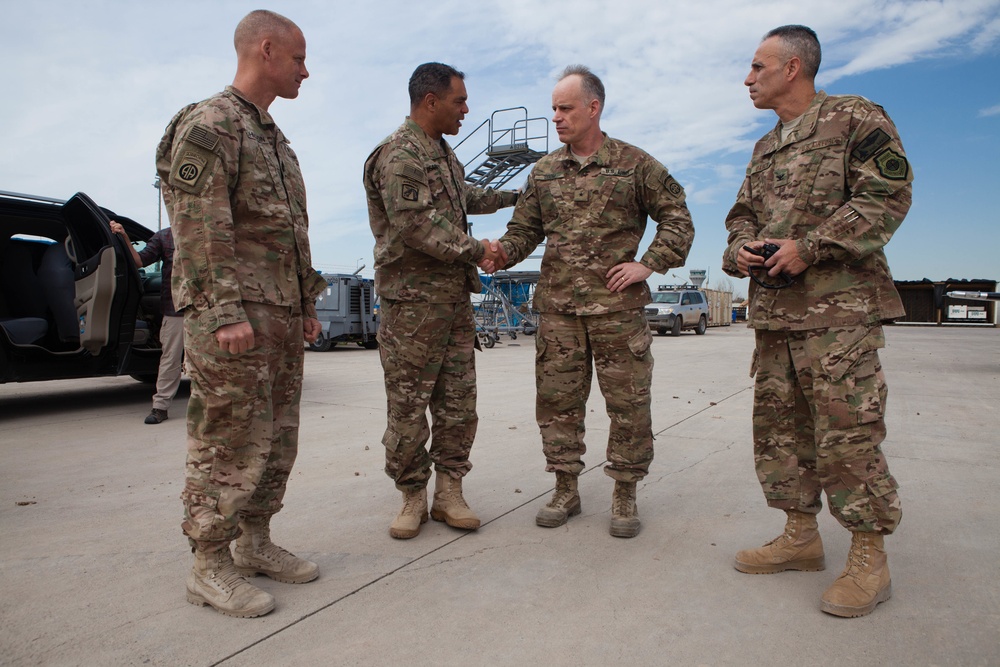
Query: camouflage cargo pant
[
  {"x": 818, "y": 422},
  {"x": 243, "y": 424},
  {"x": 617, "y": 344},
  {"x": 428, "y": 359}
]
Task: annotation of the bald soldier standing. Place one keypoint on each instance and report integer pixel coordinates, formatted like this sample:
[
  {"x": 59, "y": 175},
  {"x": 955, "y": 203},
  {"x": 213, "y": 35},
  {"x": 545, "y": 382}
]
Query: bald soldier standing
[
  {"x": 591, "y": 199},
  {"x": 828, "y": 186},
  {"x": 244, "y": 283}
]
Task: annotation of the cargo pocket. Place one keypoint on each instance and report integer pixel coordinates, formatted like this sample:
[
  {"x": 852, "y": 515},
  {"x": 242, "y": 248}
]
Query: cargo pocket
[
  {"x": 639, "y": 378},
  {"x": 882, "y": 485},
  {"x": 540, "y": 347},
  {"x": 401, "y": 349},
  {"x": 228, "y": 411},
  {"x": 412, "y": 352},
  {"x": 857, "y": 390},
  {"x": 391, "y": 440},
  {"x": 640, "y": 342},
  {"x": 881, "y": 511}
]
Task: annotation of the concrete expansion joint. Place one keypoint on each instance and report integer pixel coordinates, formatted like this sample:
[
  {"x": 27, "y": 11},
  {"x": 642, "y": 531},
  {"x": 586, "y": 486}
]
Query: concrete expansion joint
[
  {"x": 477, "y": 552},
  {"x": 695, "y": 464}
]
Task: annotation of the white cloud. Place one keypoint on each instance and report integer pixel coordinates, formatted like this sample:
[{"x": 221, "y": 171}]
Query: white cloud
[
  {"x": 990, "y": 111},
  {"x": 886, "y": 34},
  {"x": 96, "y": 82}
]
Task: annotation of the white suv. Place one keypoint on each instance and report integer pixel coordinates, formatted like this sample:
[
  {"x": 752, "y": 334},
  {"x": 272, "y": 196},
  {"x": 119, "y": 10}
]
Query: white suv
[{"x": 675, "y": 308}]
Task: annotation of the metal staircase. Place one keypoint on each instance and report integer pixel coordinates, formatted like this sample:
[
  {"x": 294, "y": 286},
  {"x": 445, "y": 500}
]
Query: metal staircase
[{"x": 514, "y": 142}]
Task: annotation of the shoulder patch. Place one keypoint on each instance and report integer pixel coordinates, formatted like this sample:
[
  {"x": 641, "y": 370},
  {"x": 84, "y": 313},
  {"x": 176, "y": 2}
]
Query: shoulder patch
[
  {"x": 892, "y": 165},
  {"x": 671, "y": 185},
  {"x": 190, "y": 168},
  {"x": 199, "y": 135},
  {"x": 870, "y": 145},
  {"x": 410, "y": 191}
]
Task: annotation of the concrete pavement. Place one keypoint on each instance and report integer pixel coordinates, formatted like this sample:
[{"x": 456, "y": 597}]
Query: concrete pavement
[{"x": 92, "y": 560}]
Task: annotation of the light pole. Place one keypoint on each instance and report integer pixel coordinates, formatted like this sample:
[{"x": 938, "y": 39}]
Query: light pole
[{"x": 159, "y": 205}]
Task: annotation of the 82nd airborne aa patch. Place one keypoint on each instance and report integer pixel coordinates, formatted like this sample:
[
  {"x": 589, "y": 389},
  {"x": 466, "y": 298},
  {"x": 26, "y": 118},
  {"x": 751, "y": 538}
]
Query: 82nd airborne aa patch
[
  {"x": 189, "y": 169},
  {"x": 892, "y": 165},
  {"x": 671, "y": 185}
]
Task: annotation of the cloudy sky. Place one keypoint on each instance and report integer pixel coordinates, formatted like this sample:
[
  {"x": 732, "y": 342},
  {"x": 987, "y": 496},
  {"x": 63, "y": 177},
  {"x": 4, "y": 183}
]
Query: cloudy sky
[{"x": 89, "y": 86}]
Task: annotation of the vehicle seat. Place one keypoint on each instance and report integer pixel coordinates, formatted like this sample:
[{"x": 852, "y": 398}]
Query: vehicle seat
[
  {"x": 24, "y": 322},
  {"x": 55, "y": 275}
]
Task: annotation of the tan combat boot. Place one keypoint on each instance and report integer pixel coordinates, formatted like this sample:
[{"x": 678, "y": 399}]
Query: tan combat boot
[
  {"x": 864, "y": 582},
  {"x": 564, "y": 504},
  {"x": 624, "y": 511},
  {"x": 214, "y": 581},
  {"x": 798, "y": 548},
  {"x": 413, "y": 514},
  {"x": 255, "y": 554},
  {"x": 449, "y": 505}
]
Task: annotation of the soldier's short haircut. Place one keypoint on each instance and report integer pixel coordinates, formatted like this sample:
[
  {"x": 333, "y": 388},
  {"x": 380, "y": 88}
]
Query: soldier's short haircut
[
  {"x": 801, "y": 41},
  {"x": 431, "y": 78},
  {"x": 593, "y": 88},
  {"x": 258, "y": 24}
]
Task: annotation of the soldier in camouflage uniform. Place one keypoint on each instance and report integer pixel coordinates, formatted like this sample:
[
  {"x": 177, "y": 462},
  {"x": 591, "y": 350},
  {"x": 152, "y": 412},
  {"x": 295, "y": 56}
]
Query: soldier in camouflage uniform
[
  {"x": 829, "y": 185},
  {"x": 590, "y": 200},
  {"x": 425, "y": 268},
  {"x": 244, "y": 283}
]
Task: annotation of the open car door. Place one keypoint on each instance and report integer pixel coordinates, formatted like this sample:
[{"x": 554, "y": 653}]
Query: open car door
[{"x": 106, "y": 281}]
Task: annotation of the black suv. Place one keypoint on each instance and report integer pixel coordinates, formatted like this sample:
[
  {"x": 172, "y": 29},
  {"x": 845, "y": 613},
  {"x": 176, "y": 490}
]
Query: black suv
[{"x": 72, "y": 302}]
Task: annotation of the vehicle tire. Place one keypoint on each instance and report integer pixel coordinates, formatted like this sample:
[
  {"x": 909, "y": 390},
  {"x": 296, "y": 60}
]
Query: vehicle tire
[
  {"x": 662, "y": 331},
  {"x": 370, "y": 344},
  {"x": 676, "y": 329},
  {"x": 322, "y": 344},
  {"x": 702, "y": 326}
]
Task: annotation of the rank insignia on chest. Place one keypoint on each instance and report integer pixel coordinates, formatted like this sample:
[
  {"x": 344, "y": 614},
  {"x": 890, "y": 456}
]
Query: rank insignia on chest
[
  {"x": 581, "y": 195},
  {"x": 892, "y": 165}
]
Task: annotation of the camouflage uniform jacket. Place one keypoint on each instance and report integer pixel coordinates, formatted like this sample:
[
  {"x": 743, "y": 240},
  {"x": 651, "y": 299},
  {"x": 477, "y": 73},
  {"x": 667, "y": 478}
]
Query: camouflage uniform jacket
[
  {"x": 593, "y": 215},
  {"x": 418, "y": 202},
  {"x": 237, "y": 204},
  {"x": 839, "y": 184}
]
